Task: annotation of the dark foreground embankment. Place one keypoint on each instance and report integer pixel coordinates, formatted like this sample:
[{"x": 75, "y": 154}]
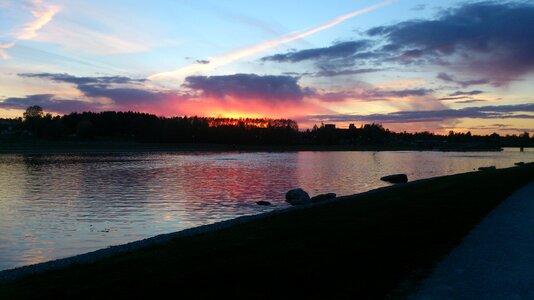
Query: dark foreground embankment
[{"x": 368, "y": 246}]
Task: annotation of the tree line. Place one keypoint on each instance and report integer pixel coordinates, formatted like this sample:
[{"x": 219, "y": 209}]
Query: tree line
[
  {"x": 377, "y": 135},
  {"x": 145, "y": 127},
  {"x": 151, "y": 128}
]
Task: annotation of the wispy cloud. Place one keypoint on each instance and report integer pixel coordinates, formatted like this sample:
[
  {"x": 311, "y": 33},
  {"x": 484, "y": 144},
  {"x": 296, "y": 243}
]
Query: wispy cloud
[
  {"x": 3, "y": 46},
  {"x": 261, "y": 47},
  {"x": 43, "y": 13},
  {"x": 82, "y": 39}
]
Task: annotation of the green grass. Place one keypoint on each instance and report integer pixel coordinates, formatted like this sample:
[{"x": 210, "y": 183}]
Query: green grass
[{"x": 370, "y": 246}]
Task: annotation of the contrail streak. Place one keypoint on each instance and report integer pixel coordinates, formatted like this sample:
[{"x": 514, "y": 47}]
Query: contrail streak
[{"x": 225, "y": 59}]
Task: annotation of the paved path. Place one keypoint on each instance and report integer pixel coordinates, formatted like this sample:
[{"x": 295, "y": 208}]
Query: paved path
[{"x": 495, "y": 261}]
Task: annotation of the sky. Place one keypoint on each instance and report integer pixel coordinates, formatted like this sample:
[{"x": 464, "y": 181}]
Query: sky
[{"x": 407, "y": 64}]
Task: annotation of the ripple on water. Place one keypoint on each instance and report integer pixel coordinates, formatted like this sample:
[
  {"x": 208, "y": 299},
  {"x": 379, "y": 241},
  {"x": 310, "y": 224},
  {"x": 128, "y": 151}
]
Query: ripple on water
[{"x": 53, "y": 206}]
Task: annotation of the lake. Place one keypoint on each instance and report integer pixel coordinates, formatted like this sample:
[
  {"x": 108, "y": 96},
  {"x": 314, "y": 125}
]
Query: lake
[{"x": 54, "y": 206}]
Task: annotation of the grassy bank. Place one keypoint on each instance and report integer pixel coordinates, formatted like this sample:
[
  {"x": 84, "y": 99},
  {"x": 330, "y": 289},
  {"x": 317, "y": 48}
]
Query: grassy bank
[{"x": 369, "y": 246}]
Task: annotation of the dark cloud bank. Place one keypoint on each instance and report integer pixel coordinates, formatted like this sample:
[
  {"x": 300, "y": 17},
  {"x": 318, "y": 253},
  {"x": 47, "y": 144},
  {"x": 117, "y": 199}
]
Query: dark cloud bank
[
  {"x": 490, "y": 39},
  {"x": 482, "y": 112},
  {"x": 129, "y": 94},
  {"x": 249, "y": 86}
]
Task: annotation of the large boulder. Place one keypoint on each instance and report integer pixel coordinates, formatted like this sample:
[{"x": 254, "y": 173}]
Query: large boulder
[
  {"x": 297, "y": 197},
  {"x": 323, "y": 197},
  {"x": 395, "y": 178}
]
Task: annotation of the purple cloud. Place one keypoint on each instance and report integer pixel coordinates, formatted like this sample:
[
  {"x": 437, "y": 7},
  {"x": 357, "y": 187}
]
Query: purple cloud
[
  {"x": 63, "y": 77},
  {"x": 342, "y": 50},
  {"x": 49, "y": 103},
  {"x": 333, "y": 72},
  {"x": 249, "y": 86},
  {"x": 466, "y": 93},
  {"x": 373, "y": 94},
  {"x": 491, "y": 38},
  {"x": 110, "y": 87},
  {"x": 464, "y": 83},
  {"x": 482, "y": 112}
]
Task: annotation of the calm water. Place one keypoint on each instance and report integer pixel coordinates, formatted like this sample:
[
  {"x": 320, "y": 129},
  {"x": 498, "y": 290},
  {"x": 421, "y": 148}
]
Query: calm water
[{"x": 55, "y": 206}]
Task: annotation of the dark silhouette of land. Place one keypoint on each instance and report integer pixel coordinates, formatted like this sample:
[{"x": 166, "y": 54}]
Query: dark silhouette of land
[
  {"x": 375, "y": 245},
  {"x": 120, "y": 127}
]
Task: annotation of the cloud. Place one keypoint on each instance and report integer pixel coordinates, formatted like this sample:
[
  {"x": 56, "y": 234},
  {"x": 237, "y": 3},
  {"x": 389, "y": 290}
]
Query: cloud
[
  {"x": 67, "y": 78},
  {"x": 50, "y": 103},
  {"x": 464, "y": 93},
  {"x": 261, "y": 47},
  {"x": 267, "y": 88},
  {"x": 482, "y": 39},
  {"x": 471, "y": 101},
  {"x": 342, "y": 50},
  {"x": 125, "y": 93},
  {"x": 43, "y": 14},
  {"x": 488, "y": 38},
  {"x": 371, "y": 95},
  {"x": 332, "y": 73},
  {"x": 464, "y": 83},
  {"x": 3, "y": 46},
  {"x": 401, "y": 93},
  {"x": 502, "y": 127},
  {"x": 96, "y": 41},
  {"x": 453, "y": 98},
  {"x": 483, "y": 112},
  {"x": 231, "y": 95},
  {"x": 202, "y": 61}
]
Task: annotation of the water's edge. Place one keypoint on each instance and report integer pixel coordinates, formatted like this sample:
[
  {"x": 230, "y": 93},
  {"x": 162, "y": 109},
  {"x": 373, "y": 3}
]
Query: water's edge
[{"x": 94, "y": 256}]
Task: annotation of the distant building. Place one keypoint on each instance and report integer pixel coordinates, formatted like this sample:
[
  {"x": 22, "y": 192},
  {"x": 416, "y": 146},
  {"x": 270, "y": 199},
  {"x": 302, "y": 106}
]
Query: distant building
[{"x": 330, "y": 126}]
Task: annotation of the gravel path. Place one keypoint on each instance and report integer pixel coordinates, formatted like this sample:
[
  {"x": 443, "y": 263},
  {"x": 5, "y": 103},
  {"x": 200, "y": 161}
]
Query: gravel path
[{"x": 495, "y": 261}]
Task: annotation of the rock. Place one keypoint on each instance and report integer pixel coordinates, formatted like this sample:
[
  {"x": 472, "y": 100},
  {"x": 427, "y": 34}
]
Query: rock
[
  {"x": 263, "y": 203},
  {"x": 519, "y": 164},
  {"x": 395, "y": 178},
  {"x": 323, "y": 197},
  {"x": 487, "y": 168},
  {"x": 297, "y": 197}
]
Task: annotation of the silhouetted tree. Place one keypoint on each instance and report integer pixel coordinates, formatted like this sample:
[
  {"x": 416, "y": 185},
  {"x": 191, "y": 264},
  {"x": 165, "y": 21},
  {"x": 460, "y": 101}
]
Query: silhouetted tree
[{"x": 33, "y": 112}]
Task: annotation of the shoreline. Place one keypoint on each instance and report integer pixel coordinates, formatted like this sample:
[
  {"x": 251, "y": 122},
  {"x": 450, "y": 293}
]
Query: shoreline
[
  {"x": 372, "y": 244},
  {"x": 35, "y": 147},
  {"x": 99, "y": 254}
]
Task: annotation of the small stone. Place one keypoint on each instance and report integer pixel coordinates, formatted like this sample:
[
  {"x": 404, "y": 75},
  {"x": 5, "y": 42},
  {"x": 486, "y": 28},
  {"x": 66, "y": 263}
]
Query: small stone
[
  {"x": 297, "y": 197},
  {"x": 323, "y": 197},
  {"x": 395, "y": 178}
]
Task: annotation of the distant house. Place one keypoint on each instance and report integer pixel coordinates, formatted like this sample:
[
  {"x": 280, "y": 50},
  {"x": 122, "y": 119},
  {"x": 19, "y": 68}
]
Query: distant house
[{"x": 330, "y": 126}]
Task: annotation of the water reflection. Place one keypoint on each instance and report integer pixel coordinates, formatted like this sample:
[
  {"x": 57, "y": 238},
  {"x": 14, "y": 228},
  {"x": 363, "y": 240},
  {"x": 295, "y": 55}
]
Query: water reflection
[{"x": 58, "y": 205}]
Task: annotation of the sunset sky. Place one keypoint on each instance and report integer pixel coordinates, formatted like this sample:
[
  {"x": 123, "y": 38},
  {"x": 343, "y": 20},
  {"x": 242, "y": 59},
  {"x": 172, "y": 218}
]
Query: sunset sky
[{"x": 408, "y": 64}]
